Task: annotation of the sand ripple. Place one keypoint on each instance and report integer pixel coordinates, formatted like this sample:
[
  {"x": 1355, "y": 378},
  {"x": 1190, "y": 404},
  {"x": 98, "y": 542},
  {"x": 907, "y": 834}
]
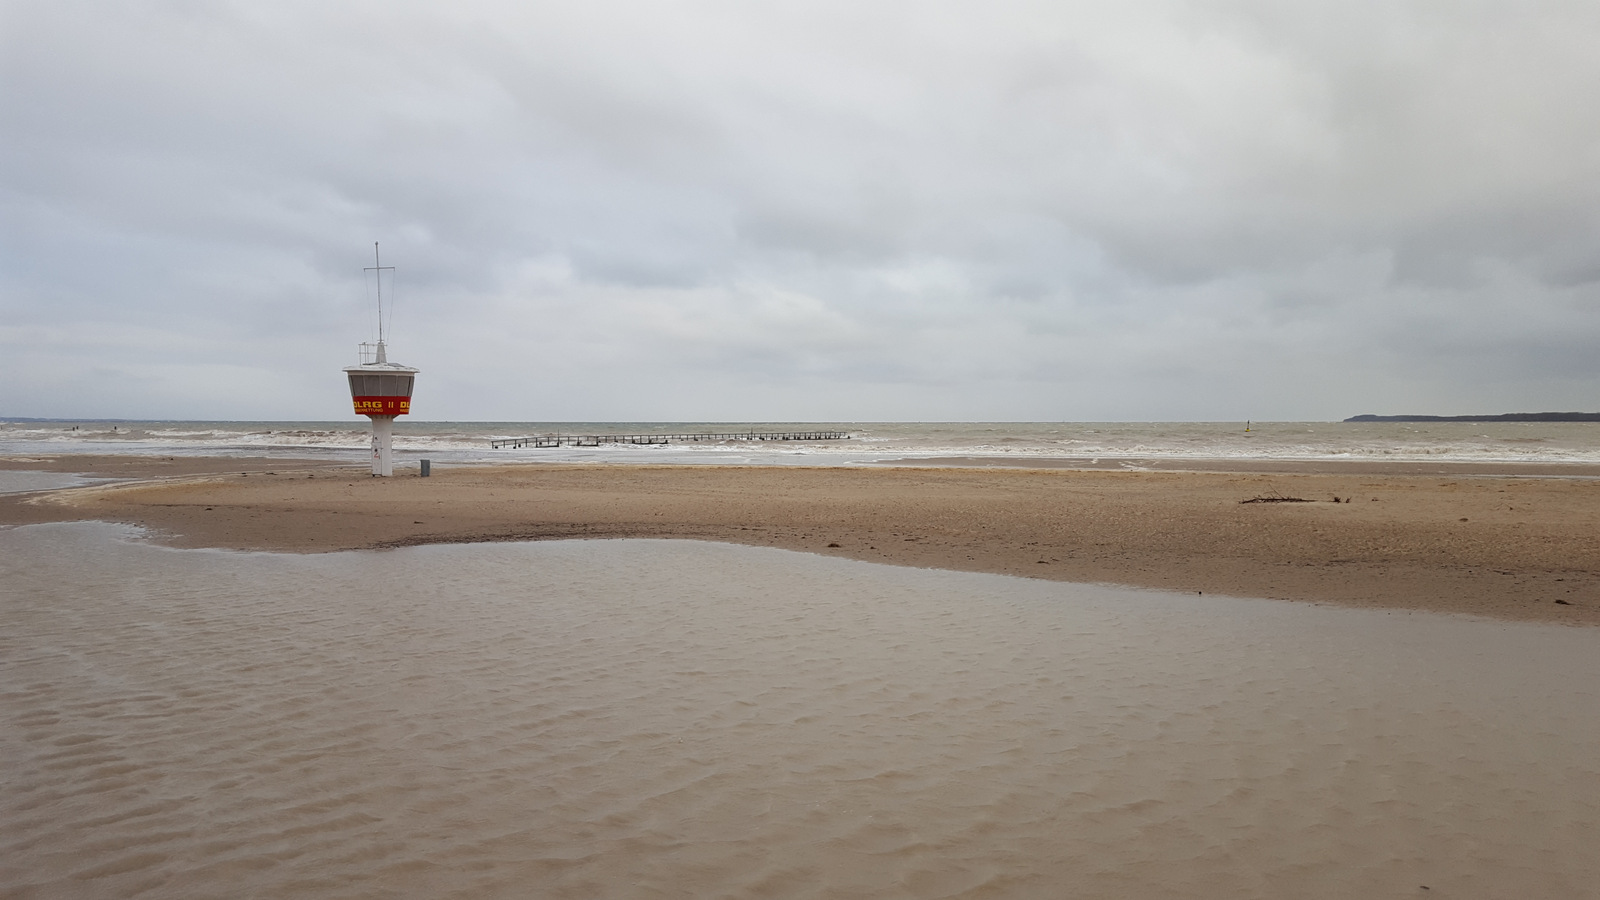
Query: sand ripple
[{"x": 658, "y": 719}]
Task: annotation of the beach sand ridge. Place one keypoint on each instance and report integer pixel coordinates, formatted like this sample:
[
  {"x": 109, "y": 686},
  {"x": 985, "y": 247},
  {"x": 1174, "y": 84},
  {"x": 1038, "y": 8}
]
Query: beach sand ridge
[{"x": 1493, "y": 545}]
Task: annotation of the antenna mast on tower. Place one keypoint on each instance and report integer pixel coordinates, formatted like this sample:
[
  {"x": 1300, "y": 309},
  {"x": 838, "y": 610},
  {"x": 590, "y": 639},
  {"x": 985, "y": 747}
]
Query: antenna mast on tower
[{"x": 378, "y": 268}]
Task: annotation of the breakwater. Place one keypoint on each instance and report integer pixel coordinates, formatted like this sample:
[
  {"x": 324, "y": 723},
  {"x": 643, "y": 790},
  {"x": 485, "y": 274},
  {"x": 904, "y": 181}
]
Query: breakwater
[{"x": 595, "y": 440}]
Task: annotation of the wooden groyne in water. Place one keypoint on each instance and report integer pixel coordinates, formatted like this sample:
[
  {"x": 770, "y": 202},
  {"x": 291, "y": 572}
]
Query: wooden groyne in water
[{"x": 595, "y": 440}]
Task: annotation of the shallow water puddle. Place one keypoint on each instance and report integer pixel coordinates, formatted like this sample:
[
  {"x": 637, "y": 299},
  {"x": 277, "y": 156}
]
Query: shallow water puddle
[{"x": 656, "y": 718}]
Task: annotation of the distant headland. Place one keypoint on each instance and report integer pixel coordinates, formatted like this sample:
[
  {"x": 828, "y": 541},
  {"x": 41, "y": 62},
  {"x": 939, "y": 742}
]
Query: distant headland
[{"x": 1503, "y": 417}]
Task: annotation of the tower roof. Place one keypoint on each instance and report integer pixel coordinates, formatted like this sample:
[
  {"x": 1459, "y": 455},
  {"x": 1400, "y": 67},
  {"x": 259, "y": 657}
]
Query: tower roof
[{"x": 383, "y": 368}]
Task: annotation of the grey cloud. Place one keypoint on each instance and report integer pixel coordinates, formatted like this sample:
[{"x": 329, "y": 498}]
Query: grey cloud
[{"x": 714, "y": 210}]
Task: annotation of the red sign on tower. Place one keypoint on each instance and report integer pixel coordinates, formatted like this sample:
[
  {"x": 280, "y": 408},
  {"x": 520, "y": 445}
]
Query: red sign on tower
[{"x": 382, "y": 406}]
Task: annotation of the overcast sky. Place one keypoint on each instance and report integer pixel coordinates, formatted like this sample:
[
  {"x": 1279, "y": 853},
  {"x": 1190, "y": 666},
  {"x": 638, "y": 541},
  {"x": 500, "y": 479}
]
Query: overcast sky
[{"x": 852, "y": 211}]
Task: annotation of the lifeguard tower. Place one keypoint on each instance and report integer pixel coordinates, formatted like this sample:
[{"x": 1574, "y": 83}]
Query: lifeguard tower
[{"x": 380, "y": 389}]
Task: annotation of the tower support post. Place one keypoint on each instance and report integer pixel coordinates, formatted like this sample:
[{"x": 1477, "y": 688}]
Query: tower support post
[{"x": 383, "y": 446}]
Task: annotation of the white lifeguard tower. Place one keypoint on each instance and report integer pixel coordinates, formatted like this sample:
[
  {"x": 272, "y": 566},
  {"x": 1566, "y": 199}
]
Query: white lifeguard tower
[{"x": 380, "y": 389}]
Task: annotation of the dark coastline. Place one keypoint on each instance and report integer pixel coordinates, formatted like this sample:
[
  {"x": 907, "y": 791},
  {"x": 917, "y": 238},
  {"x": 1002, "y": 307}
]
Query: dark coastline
[{"x": 1502, "y": 417}]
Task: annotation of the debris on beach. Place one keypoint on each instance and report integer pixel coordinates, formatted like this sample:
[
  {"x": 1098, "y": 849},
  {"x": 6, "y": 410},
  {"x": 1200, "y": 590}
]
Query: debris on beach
[{"x": 1276, "y": 497}]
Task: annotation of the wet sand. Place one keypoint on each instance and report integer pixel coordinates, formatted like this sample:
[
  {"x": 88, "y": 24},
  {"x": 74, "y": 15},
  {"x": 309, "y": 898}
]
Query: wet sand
[
  {"x": 680, "y": 719},
  {"x": 1505, "y": 542}
]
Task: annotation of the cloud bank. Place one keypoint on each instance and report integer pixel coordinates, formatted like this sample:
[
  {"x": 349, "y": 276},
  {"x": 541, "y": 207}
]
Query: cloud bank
[{"x": 802, "y": 211}]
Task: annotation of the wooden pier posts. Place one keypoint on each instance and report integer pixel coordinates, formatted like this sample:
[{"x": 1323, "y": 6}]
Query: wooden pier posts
[{"x": 595, "y": 440}]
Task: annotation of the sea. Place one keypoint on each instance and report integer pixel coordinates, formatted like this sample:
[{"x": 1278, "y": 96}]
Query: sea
[
  {"x": 682, "y": 719},
  {"x": 865, "y": 442}
]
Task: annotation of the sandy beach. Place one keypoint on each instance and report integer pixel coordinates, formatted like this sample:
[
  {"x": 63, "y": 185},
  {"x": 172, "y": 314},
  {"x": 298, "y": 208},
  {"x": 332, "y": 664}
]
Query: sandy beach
[
  {"x": 478, "y": 709},
  {"x": 681, "y": 719},
  {"x": 1509, "y": 543}
]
